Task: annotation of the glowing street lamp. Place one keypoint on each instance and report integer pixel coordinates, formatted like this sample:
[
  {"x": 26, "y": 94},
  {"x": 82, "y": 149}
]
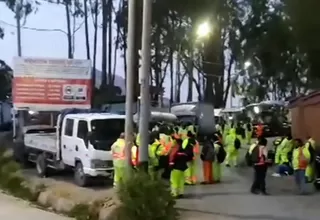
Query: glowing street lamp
[
  {"x": 204, "y": 30},
  {"x": 247, "y": 64}
]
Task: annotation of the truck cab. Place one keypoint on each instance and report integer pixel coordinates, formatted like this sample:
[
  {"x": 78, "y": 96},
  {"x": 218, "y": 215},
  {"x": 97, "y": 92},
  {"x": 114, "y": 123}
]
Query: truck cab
[
  {"x": 200, "y": 114},
  {"x": 81, "y": 141}
]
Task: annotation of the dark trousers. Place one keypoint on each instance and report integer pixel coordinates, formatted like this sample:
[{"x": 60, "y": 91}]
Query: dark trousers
[{"x": 259, "y": 179}]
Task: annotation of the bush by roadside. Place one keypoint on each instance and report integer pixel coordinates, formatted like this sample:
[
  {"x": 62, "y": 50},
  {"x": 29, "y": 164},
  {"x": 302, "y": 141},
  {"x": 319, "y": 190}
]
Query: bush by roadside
[
  {"x": 140, "y": 197},
  {"x": 144, "y": 197},
  {"x": 13, "y": 182}
]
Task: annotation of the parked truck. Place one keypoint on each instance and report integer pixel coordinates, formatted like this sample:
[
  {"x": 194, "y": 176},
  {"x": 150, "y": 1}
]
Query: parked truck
[{"x": 80, "y": 141}]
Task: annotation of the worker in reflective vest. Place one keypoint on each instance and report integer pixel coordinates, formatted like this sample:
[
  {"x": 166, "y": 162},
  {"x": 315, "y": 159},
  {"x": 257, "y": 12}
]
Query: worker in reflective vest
[
  {"x": 310, "y": 171},
  {"x": 178, "y": 159},
  {"x": 259, "y": 155},
  {"x": 232, "y": 151},
  {"x": 156, "y": 153},
  {"x": 119, "y": 159},
  {"x": 134, "y": 156},
  {"x": 283, "y": 149},
  {"x": 220, "y": 155},
  {"x": 190, "y": 173},
  {"x": 300, "y": 162},
  {"x": 166, "y": 142}
]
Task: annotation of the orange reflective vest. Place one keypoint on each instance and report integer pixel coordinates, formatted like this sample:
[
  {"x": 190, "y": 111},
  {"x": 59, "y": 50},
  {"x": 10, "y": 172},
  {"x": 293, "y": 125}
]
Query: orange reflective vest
[
  {"x": 118, "y": 152},
  {"x": 303, "y": 162}
]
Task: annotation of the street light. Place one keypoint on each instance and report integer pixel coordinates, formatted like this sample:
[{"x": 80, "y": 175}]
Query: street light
[
  {"x": 203, "y": 30},
  {"x": 247, "y": 64}
]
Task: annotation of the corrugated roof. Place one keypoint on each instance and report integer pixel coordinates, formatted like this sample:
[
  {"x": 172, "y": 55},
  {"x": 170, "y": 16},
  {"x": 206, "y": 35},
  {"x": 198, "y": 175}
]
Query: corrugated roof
[{"x": 303, "y": 98}]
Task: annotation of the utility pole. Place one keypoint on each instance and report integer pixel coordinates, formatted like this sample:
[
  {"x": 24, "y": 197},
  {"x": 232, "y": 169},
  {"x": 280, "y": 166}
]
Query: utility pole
[
  {"x": 18, "y": 19},
  {"x": 19, "y": 134},
  {"x": 144, "y": 82},
  {"x": 178, "y": 75},
  {"x": 130, "y": 79}
]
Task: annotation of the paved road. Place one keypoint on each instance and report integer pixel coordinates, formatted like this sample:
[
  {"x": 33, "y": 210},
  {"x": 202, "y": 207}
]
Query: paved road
[
  {"x": 15, "y": 209},
  {"x": 231, "y": 199}
]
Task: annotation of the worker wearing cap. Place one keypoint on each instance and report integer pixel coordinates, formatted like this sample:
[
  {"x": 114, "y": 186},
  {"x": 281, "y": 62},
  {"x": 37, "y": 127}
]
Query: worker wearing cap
[
  {"x": 232, "y": 151},
  {"x": 119, "y": 159}
]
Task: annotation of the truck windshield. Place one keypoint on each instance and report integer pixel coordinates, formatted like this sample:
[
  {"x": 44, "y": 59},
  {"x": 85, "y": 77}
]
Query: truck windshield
[{"x": 105, "y": 132}]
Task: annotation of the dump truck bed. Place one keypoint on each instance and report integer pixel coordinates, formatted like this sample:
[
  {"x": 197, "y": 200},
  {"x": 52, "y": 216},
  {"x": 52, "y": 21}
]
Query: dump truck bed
[{"x": 45, "y": 141}]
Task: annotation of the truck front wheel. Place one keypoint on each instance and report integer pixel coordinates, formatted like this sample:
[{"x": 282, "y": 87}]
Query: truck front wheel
[
  {"x": 41, "y": 166},
  {"x": 80, "y": 177}
]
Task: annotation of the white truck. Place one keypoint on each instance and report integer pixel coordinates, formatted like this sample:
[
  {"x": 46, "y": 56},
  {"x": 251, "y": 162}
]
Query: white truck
[{"x": 81, "y": 141}]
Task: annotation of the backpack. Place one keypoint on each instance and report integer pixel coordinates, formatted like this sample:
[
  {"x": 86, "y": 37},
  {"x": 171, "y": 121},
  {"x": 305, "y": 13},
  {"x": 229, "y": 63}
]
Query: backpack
[
  {"x": 221, "y": 155},
  {"x": 209, "y": 152},
  {"x": 237, "y": 143},
  {"x": 248, "y": 159}
]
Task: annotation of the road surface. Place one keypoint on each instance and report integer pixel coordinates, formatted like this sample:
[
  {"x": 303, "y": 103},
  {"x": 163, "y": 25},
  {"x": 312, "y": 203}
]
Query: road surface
[
  {"x": 231, "y": 200},
  {"x": 16, "y": 209}
]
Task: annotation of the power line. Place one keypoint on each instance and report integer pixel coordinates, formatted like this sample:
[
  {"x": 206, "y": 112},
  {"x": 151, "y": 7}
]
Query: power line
[{"x": 40, "y": 29}]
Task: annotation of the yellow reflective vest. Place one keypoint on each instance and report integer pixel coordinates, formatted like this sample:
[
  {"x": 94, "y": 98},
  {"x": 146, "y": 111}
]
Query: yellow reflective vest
[
  {"x": 300, "y": 158},
  {"x": 118, "y": 153}
]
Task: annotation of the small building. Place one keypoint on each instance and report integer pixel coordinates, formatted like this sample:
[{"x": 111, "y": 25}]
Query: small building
[{"x": 305, "y": 116}]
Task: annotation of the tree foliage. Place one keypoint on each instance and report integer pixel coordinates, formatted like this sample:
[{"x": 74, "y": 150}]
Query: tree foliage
[
  {"x": 279, "y": 38},
  {"x": 5, "y": 81},
  {"x": 305, "y": 22}
]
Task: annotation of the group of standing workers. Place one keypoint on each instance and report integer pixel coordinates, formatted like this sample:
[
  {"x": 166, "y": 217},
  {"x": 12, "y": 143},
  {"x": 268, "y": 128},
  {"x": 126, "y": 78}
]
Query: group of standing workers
[
  {"x": 293, "y": 156},
  {"x": 174, "y": 151}
]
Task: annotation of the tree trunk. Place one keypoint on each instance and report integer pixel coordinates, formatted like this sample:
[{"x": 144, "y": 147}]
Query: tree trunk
[
  {"x": 137, "y": 47},
  {"x": 95, "y": 39},
  {"x": 86, "y": 27},
  {"x": 157, "y": 72},
  {"x": 190, "y": 78},
  {"x": 178, "y": 78},
  {"x": 226, "y": 92},
  {"x": 104, "y": 43},
  {"x": 171, "y": 77},
  {"x": 69, "y": 34},
  {"x": 110, "y": 40}
]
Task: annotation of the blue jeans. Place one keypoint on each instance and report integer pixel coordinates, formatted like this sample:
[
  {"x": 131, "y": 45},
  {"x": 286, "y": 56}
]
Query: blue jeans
[
  {"x": 300, "y": 179},
  {"x": 284, "y": 170}
]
